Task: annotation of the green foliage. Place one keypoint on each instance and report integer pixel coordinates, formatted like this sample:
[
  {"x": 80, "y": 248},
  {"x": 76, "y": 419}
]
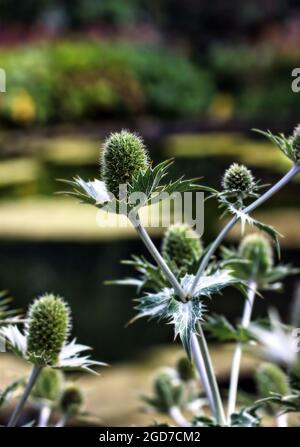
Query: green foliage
[
  {"x": 76, "y": 80},
  {"x": 271, "y": 379},
  {"x": 288, "y": 146},
  {"x": 6, "y": 314},
  {"x": 48, "y": 327},
  {"x": 124, "y": 156},
  {"x": 222, "y": 330},
  {"x": 294, "y": 375},
  {"x": 9, "y": 391},
  {"x": 246, "y": 417}
]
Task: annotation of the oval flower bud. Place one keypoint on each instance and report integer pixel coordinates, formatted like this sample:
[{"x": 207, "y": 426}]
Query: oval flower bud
[
  {"x": 48, "y": 326},
  {"x": 71, "y": 400},
  {"x": 257, "y": 249},
  {"x": 185, "y": 369},
  {"x": 182, "y": 246},
  {"x": 124, "y": 157},
  {"x": 238, "y": 178}
]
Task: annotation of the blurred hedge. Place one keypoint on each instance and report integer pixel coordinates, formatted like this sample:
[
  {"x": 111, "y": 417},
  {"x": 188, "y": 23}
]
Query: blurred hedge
[{"x": 68, "y": 81}]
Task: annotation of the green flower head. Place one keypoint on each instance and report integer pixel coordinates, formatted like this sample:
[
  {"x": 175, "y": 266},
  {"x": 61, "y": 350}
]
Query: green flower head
[
  {"x": 296, "y": 142},
  {"x": 48, "y": 327},
  {"x": 239, "y": 179},
  {"x": 182, "y": 246},
  {"x": 124, "y": 156},
  {"x": 271, "y": 379},
  {"x": 185, "y": 369},
  {"x": 257, "y": 249},
  {"x": 48, "y": 385},
  {"x": 71, "y": 400}
]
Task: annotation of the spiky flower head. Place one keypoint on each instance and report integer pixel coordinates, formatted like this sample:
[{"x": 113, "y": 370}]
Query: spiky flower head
[
  {"x": 181, "y": 245},
  {"x": 124, "y": 156},
  {"x": 71, "y": 400},
  {"x": 271, "y": 379},
  {"x": 239, "y": 179},
  {"x": 185, "y": 369},
  {"x": 48, "y": 327},
  {"x": 48, "y": 385},
  {"x": 257, "y": 249}
]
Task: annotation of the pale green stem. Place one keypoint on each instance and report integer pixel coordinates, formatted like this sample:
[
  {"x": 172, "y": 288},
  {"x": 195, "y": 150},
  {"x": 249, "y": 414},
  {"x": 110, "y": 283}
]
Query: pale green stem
[
  {"x": 218, "y": 409},
  {"x": 199, "y": 349},
  {"x": 18, "y": 410},
  {"x": 236, "y": 362},
  {"x": 44, "y": 416},
  {"x": 282, "y": 420},
  {"x": 178, "y": 418},
  {"x": 291, "y": 173}
]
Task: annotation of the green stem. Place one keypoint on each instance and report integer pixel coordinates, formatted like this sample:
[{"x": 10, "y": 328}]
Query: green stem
[
  {"x": 199, "y": 349},
  {"x": 211, "y": 376},
  {"x": 158, "y": 258},
  {"x": 18, "y": 410},
  {"x": 236, "y": 362},
  {"x": 291, "y": 173}
]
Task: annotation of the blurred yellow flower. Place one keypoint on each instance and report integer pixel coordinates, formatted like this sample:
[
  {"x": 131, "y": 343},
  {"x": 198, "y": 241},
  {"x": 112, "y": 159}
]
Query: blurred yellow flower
[
  {"x": 23, "y": 108},
  {"x": 222, "y": 107}
]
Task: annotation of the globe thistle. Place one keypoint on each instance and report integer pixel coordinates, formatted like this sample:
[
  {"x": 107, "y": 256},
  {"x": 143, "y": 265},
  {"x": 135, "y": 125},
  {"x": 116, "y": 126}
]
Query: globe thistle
[
  {"x": 124, "y": 157},
  {"x": 185, "y": 369},
  {"x": 296, "y": 142},
  {"x": 238, "y": 179},
  {"x": 271, "y": 379},
  {"x": 182, "y": 246},
  {"x": 257, "y": 249},
  {"x": 48, "y": 385},
  {"x": 47, "y": 329},
  {"x": 71, "y": 400}
]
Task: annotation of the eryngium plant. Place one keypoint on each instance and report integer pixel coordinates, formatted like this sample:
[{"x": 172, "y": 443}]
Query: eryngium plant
[
  {"x": 44, "y": 343},
  {"x": 178, "y": 289}
]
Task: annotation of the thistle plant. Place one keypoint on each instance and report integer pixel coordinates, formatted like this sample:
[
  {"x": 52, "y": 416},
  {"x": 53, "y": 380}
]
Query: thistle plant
[
  {"x": 178, "y": 288},
  {"x": 44, "y": 343}
]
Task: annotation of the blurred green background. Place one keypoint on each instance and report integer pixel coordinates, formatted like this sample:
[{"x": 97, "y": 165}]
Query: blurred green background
[{"x": 192, "y": 77}]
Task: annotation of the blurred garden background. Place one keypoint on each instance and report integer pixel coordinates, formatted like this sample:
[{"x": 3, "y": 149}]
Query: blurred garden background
[{"x": 193, "y": 77}]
